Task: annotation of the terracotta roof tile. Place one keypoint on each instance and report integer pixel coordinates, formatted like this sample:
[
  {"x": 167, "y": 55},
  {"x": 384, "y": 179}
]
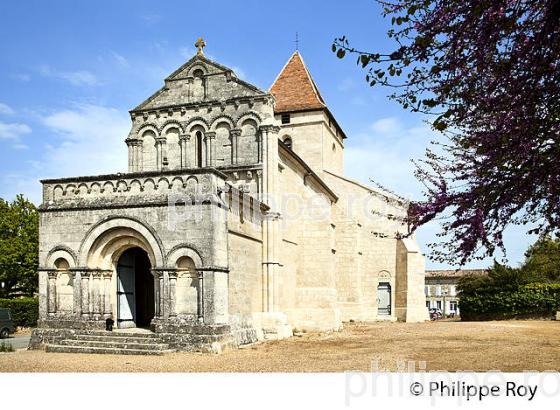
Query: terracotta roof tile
[
  {"x": 455, "y": 273},
  {"x": 294, "y": 89}
]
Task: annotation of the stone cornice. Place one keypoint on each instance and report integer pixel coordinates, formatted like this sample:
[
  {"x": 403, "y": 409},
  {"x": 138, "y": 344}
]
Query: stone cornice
[
  {"x": 213, "y": 268},
  {"x": 144, "y": 174},
  {"x": 155, "y": 204},
  {"x": 201, "y": 104}
]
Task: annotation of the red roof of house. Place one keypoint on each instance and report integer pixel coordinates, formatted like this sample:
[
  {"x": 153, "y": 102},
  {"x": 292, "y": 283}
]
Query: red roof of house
[
  {"x": 455, "y": 273},
  {"x": 294, "y": 89}
]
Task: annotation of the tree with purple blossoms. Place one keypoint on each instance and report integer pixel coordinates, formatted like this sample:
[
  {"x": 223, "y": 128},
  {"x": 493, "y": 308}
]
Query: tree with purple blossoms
[{"x": 485, "y": 73}]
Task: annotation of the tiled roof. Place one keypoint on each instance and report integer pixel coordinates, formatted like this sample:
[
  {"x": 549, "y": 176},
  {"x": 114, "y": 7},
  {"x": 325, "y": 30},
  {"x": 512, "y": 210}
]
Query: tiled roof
[
  {"x": 455, "y": 273},
  {"x": 294, "y": 89}
]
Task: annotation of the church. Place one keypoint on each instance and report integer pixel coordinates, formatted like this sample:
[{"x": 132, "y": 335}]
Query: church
[{"x": 234, "y": 224}]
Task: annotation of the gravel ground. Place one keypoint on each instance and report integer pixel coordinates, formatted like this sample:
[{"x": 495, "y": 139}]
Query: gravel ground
[{"x": 449, "y": 346}]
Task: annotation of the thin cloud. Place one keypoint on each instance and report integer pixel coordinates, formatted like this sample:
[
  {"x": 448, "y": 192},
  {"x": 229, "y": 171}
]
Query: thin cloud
[
  {"x": 76, "y": 78},
  {"x": 21, "y": 77},
  {"x": 120, "y": 59},
  {"x": 6, "y": 109},
  {"x": 88, "y": 140},
  {"x": 151, "y": 18},
  {"x": 388, "y": 126},
  {"x": 13, "y": 131}
]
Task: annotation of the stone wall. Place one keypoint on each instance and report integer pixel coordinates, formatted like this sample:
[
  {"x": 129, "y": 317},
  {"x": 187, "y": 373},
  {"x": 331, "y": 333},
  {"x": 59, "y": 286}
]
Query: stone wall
[{"x": 314, "y": 140}]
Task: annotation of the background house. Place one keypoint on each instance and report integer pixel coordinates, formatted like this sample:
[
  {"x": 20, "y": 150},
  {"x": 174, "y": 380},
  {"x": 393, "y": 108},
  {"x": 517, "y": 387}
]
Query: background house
[{"x": 441, "y": 288}]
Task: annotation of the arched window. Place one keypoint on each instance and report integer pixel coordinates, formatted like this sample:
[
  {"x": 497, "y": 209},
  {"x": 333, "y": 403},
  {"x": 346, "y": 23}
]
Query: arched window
[
  {"x": 288, "y": 142},
  {"x": 199, "y": 149},
  {"x": 61, "y": 264}
]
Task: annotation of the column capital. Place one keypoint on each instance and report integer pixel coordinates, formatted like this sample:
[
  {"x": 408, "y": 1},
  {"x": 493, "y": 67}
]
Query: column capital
[
  {"x": 160, "y": 139},
  {"x": 210, "y": 134},
  {"x": 52, "y": 273},
  {"x": 133, "y": 141},
  {"x": 270, "y": 128},
  {"x": 235, "y": 132},
  {"x": 185, "y": 137}
]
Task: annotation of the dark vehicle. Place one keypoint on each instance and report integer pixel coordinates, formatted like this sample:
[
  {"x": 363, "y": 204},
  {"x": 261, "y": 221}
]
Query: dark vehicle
[
  {"x": 6, "y": 324},
  {"x": 435, "y": 314}
]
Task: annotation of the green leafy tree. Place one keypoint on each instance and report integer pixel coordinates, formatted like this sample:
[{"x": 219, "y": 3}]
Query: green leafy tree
[
  {"x": 19, "y": 246},
  {"x": 543, "y": 259},
  {"x": 500, "y": 278},
  {"x": 541, "y": 265}
]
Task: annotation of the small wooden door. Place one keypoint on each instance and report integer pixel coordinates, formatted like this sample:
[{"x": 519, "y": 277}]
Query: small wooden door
[{"x": 384, "y": 299}]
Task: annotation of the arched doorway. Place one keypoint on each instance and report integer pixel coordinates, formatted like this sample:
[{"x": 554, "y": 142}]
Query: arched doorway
[
  {"x": 135, "y": 289},
  {"x": 384, "y": 299}
]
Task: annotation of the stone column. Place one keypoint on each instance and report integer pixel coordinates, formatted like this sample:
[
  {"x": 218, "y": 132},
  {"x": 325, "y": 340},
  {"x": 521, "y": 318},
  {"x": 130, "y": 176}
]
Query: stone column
[
  {"x": 77, "y": 291},
  {"x": 200, "y": 296},
  {"x": 161, "y": 153},
  {"x": 165, "y": 293},
  {"x": 138, "y": 156},
  {"x": 270, "y": 232},
  {"x": 96, "y": 294},
  {"x": 85, "y": 295},
  {"x": 235, "y": 134},
  {"x": 210, "y": 138},
  {"x": 130, "y": 154},
  {"x": 52, "y": 274},
  {"x": 162, "y": 293},
  {"x": 107, "y": 311},
  {"x": 134, "y": 154},
  {"x": 184, "y": 144},
  {"x": 172, "y": 292},
  {"x": 157, "y": 295}
]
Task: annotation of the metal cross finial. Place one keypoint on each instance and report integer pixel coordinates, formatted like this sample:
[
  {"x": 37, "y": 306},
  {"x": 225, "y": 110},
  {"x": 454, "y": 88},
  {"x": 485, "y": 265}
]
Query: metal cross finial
[
  {"x": 200, "y": 44},
  {"x": 297, "y": 41}
]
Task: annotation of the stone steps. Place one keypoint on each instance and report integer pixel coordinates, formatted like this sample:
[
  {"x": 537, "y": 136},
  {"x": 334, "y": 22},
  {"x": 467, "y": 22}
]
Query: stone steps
[
  {"x": 129, "y": 343},
  {"x": 143, "y": 335},
  {"x": 114, "y": 339},
  {"x": 102, "y": 350},
  {"x": 116, "y": 345}
]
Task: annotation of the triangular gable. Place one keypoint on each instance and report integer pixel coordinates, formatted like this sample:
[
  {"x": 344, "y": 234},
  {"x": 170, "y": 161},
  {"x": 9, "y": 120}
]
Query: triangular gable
[{"x": 178, "y": 88}]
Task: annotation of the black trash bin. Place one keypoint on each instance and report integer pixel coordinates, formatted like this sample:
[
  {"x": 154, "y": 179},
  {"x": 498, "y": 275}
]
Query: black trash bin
[{"x": 109, "y": 324}]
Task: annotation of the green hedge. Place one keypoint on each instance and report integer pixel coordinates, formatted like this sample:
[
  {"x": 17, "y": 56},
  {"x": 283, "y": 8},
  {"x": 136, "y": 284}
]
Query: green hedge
[
  {"x": 25, "y": 311},
  {"x": 536, "y": 300}
]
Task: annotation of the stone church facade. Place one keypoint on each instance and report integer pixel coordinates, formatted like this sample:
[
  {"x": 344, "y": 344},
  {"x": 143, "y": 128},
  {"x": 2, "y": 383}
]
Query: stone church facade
[{"x": 234, "y": 223}]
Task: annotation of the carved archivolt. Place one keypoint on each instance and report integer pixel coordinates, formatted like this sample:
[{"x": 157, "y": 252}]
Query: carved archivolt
[
  {"x": 181, "y": 250},
  {"x": 105, "y": 242},
  {"x": 61, "y": 251},
  {"x": 248, "y": 115},
  {"x": 384, "y": 275}
]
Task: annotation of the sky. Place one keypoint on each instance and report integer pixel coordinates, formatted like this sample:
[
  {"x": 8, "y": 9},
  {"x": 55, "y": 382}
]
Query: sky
[{"x": 70, "y": 72}]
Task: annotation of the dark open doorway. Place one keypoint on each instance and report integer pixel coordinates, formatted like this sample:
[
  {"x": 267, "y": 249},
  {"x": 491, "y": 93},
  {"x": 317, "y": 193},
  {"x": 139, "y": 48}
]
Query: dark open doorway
[{"x": 135, "y": 289}]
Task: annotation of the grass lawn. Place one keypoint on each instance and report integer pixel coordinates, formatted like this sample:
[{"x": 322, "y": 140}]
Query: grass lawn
[{"x": 450, "y": 346}]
